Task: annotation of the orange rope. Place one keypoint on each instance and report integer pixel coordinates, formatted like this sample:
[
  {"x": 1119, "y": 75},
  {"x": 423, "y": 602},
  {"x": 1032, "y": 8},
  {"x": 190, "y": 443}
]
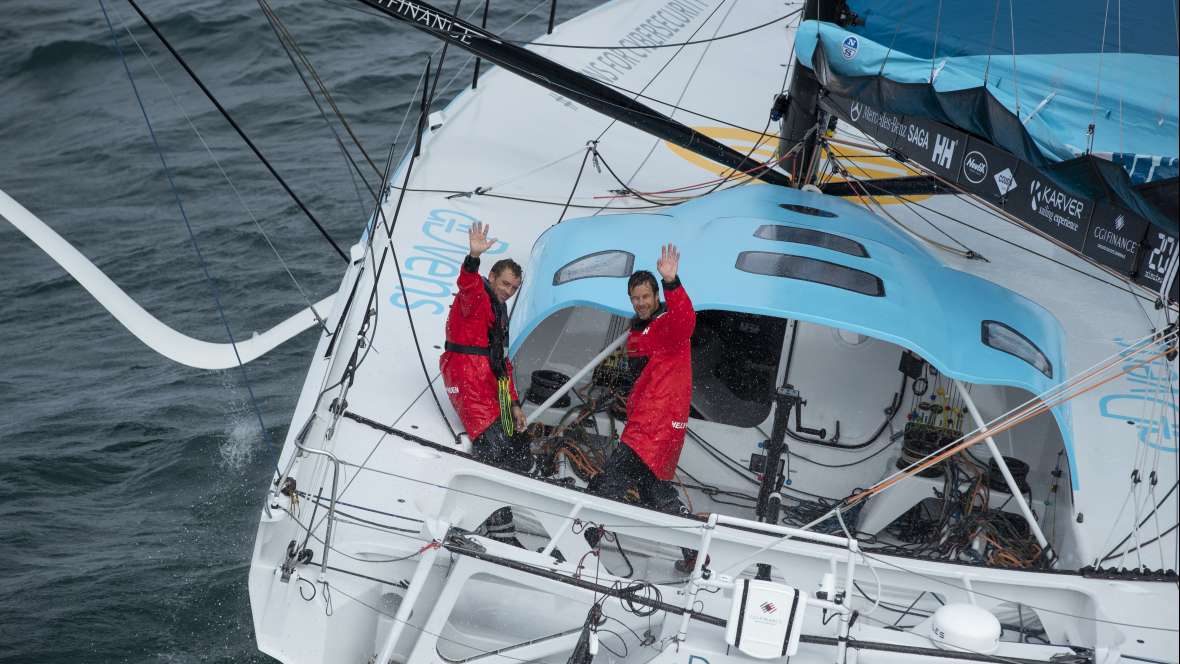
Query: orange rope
[{"x": 1035, "y": 408}]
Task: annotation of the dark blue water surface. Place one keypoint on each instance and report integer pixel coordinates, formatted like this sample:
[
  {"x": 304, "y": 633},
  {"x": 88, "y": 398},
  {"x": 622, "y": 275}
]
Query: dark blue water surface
[{"x": 130, "y": 485}]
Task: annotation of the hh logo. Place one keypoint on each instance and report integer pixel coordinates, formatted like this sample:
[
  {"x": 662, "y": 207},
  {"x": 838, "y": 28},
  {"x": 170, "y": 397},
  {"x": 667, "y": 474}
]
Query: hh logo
[
  {"x": 768, "y": 607},
  {"x": 944, "y": 151},
  {"x": 679, "y": 425}
]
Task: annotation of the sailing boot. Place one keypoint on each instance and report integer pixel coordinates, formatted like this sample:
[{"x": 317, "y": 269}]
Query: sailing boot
[{"x": 501, "y": 527}]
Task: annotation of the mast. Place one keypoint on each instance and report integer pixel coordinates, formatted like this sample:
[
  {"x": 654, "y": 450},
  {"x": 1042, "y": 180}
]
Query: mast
[
  {"x": 803, "y": 110},
  {"x": 568, "y": 83}
]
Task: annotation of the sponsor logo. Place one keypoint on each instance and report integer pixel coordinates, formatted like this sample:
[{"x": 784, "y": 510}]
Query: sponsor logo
[
  {"x": 975, "y": 167},
  {"x": 1119, "y": 222},
  {"x": 850, "y": 48},
  {"x": 854, "y": 112},
  {"x": 1055, "y": 205},
  {"x": 1114, "y": 240},
  {"x": 768, "y": 607},
  {"x": 917, "y": 136},
  {"x": 452, "y": 390},
  {"x": 1005, "y": 181},
  {"x": 944, "y": 150},
  {"x": 679, "y": 425}
]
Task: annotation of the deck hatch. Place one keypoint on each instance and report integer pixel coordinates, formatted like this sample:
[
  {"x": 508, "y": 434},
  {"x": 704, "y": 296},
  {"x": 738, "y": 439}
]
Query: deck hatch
[
  {"x": 1006, "y": 339},
  {"x": 812, "y": 237},
  {"x": 810, "y": 269},
  {"x": 610, "y": 263},
  {"x": 808, "y": 210}
]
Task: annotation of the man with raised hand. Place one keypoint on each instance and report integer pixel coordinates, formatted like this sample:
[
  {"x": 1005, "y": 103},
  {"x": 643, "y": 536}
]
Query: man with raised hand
[
  {"x": 475, "y": 366},
  {"x": 658, "y": 349}
]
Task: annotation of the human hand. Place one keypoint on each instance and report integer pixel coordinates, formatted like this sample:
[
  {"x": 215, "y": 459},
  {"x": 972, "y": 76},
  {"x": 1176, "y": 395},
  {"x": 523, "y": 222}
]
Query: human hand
[
  {"x": 518, "y": 418},
  {"x": 669, "y": 263},
  {"x": 477, "y": 239}
]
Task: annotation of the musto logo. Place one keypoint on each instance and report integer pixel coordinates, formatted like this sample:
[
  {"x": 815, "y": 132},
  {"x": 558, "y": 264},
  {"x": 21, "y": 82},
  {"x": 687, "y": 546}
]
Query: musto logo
[
  {"x": 1056, "y": 205},
  {"x": 768, "y": 607},
  {"x": 975, "y": 167}
]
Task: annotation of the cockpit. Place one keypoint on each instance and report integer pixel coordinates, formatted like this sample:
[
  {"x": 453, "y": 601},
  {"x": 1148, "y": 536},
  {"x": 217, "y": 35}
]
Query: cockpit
[{"x": 820, "y": 325}]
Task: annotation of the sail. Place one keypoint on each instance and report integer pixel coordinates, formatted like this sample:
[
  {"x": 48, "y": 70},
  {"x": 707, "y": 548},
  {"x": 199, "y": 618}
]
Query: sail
[{"x": 1027, "y": 105}]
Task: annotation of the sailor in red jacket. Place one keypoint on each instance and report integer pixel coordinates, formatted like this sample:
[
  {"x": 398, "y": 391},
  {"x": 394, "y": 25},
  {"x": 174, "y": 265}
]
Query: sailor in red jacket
[
  {"x": 657, "y": 409},
  {"x": 475, "y": 366}
]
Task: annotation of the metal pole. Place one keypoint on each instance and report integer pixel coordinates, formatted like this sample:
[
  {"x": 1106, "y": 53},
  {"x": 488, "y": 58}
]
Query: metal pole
[
  {"x": 569, "y": 384},
  {"x": 999, "y": 459},
  {"x": 552, "y": 15},
  {"x": 424, "y": 111},
  {"x": 482, "y": 24},
  {"x": 694, "y": 582},
  {"x": 417, "y": 581},
  {"x": 442, "y": 58}
]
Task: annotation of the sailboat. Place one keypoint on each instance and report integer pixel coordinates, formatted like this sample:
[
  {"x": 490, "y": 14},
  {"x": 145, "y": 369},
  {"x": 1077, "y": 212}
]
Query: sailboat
[{"x": 934, "y": 418}]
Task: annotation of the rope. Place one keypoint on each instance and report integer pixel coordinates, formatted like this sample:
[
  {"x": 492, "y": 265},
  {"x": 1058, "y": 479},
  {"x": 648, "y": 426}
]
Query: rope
[
  {"x": 238, "y": 194},
  {"x": 1039, "y": 404},
  {"x": 690, "y": 42},
  {"x": 284, "y": 37},
  {"x": 966, "y": 252},
  {"x": 684, "y": 90},
  {"x": 188, "y": 226},
  {"x": 565, "y": 208},
  {"x": 669, "y": 61},
  {"x": 233, "y": 123},
  {"x": 409, "y": 314}
]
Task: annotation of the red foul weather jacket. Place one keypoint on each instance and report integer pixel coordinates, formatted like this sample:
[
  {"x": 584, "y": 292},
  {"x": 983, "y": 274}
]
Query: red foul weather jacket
[
  {"x": 657, "y": 410},
  {"x": 477, "y": 332}
]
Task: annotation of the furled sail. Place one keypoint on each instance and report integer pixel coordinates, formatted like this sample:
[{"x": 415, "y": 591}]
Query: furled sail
[{"x": 1063, "y": 115}]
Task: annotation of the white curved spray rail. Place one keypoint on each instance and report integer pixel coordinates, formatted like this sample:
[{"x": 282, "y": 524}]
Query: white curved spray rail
[{"x": 146, "y": 327}]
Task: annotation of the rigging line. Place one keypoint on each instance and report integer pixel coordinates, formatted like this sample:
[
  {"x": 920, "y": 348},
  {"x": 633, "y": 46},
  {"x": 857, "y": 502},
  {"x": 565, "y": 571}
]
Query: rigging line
[
  {"x": 966, "y": 198},
  {"x": 1032, "y": 408},
  {"x": 1038, "y": 404},
  {"x": 1160, "y": 536},
  {"x": 402, "y": 286},
  {"x": 233, "y": 123},
  {"x": 1111, "y": 553},
  {"x": 573, "y": 189},
  {"x": 959, "y": 586},
  {"x": 284, "y": 36},
  {"x": 1119, "y": 41},
  {"x": 1098, "y": 79},
  {"x": 668, "y": 62},
  {"x": 991, "y": 47},
  {"x": 676, "y": 107},
  {"x": 1110, "y": 534},
  {"x": 320, "y": 319},
  {"x": 192, "y": 236},
  {"x": 691, "y": 42},
  {"x": 732, "y": 171},
  {"x": 937, "y": 29},
  {"x": 934, "y": 243},
  {"x": 968, "y": 440},
  {"x": 694, "y": 525},
  {"x": 521, "y": 199},
  {"x": 896, "y": 29},
  {"x": 836, "y": 156},
  {"x": 969, "y": 199},
  {"x": 1135, "y": 528},
  {"x": 971, "y": 254},
  {"x": 618, "y": 180},
  {"x": 1015, "y": 78},
  {"x": 683, "y": 90},
  {"x": 442, "y": 59}
]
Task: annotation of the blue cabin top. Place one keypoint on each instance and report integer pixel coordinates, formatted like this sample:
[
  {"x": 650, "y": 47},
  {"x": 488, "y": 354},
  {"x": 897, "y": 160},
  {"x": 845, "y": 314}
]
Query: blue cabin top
[{"x": 801, "y": 255}]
